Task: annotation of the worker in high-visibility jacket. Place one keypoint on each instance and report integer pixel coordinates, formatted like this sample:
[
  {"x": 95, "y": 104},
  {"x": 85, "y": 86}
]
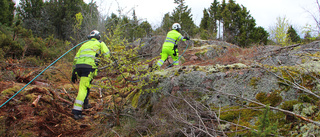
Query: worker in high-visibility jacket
[
  {"x": 85, "y": 67},
  {"x": 170, "y": 45}
]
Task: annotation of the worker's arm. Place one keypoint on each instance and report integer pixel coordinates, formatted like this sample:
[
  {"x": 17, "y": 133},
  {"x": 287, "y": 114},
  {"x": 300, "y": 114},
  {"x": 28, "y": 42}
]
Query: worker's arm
[{"x": 104, "y": 50}]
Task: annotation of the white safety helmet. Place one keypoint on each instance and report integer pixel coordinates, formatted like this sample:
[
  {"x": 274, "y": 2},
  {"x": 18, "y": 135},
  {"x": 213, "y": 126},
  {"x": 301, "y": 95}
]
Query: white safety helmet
[
  {"x": 176, "y": 26},
  {"x": 94, "y": 34}
]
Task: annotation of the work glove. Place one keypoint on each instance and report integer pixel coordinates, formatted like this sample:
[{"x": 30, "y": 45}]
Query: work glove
[
  {"x": 74, "y": 77},
  {"x": 187, "y": 38}
]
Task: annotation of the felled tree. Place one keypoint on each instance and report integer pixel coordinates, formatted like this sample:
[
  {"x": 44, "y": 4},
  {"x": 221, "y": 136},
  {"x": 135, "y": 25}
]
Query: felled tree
[{"x": 126, "y": 76}]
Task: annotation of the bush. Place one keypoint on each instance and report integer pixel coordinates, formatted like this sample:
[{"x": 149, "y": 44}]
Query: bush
[
  {"x": 32, "y": 61},
  {"x": 9, "y": 47}
]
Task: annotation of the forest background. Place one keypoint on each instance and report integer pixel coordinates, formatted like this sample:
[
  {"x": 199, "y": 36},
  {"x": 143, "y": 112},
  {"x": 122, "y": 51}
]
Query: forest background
[{"x": 30, "y": 26}]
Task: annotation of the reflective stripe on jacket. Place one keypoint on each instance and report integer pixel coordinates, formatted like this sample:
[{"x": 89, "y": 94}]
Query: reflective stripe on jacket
[
  {"x": 173, "y": 37},
  {"x": 88, "y": 53}
]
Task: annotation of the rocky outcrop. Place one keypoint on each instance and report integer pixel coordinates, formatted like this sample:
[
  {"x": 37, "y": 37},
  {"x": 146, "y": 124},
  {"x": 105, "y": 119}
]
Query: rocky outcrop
[{"x": 244, "y": 80}]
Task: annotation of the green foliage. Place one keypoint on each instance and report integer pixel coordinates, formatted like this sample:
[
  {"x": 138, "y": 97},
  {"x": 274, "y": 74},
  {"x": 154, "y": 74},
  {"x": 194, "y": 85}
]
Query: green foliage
[
  {"x": 32, "y": 61},
  {"x": 166, "y": 22},
  {"x": 214, "y": 16},
  {"x": 259, "y": 36},
  {"x": 51, "y": 17},
  {"x": 182, "y": 14},
  {"x": 205, "y": 20},
  {"x": 239, "y": 26},
  {"x": 8, "y": 45},
  {"x": 131, "y": 29},
  {"x": 29, "y": 11},
  {"x": 204, "y": 34},
  {"x": 79, "y": 19},
  {"x": 19, "y": 43},
  {"x": 279, "y": 31},
  {"x": 127, "y": 78},
  {"x": 273, "y": 98},
  {"x": 265, "y": 127},
  {"x": 288, "y": 105},
  {"x": 6, "y": 12},
  {"x": 307, "y": 30},
  {"x": 293, "y": 37}
]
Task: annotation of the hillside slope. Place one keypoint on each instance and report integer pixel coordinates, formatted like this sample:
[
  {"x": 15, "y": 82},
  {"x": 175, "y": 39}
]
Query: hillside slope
[{"x": 218, "y": 90}]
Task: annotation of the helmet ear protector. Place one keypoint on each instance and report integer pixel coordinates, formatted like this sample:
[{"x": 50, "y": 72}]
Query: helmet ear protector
[{"x": 94, "y": 34}]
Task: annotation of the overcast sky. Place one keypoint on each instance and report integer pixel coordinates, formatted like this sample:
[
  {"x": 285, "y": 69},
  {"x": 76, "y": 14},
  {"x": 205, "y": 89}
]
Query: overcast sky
[{"x": 264, "y": 12}]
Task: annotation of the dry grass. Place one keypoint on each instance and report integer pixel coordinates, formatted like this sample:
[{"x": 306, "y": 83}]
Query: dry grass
[{"x": 237, "y": 55}]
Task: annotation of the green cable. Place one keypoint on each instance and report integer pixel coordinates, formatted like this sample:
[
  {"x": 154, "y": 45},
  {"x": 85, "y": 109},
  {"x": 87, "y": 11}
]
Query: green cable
[{"x": 42, "y": 72}]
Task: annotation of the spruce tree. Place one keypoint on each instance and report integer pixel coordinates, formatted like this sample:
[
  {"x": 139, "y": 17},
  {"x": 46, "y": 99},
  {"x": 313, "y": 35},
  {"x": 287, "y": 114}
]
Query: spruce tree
[
  {"x": 182, "y": 14},
  {"x": 205, "y": 20},
  {"x": 266, "y": 127},
  {"x": 292, "y": 35},
  {"x": 6, "y": 12},
  {"x": 259, "y": 36},
  {"x": 50, "y": 17},
  {"x": 30, "y": 14},
  {"x": 215, "y": 16},
  {"x": 166, "y": 22},
  {"x": 239, "y": 26}
]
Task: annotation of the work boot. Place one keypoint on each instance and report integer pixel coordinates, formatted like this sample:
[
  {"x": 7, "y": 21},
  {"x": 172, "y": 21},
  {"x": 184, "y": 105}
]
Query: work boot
[
  {"x": 77, "y": 117},
  {"x": 87, "y": 106}
]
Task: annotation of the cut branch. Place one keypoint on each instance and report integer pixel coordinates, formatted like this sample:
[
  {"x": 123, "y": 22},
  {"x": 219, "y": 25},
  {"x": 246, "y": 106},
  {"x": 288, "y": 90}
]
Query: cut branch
[
  {"x": 64, "y": 90},
  {"x": 58, "y": 97},
  {"x": 295, "y": 85},
  {"x": 35, "y": 102}
]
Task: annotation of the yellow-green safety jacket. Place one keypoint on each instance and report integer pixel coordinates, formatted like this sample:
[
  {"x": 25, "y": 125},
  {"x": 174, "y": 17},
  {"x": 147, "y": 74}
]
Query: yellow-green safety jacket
[
  {"x": 86, "y": 56},
  {"x": 173, "y": 37}
]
